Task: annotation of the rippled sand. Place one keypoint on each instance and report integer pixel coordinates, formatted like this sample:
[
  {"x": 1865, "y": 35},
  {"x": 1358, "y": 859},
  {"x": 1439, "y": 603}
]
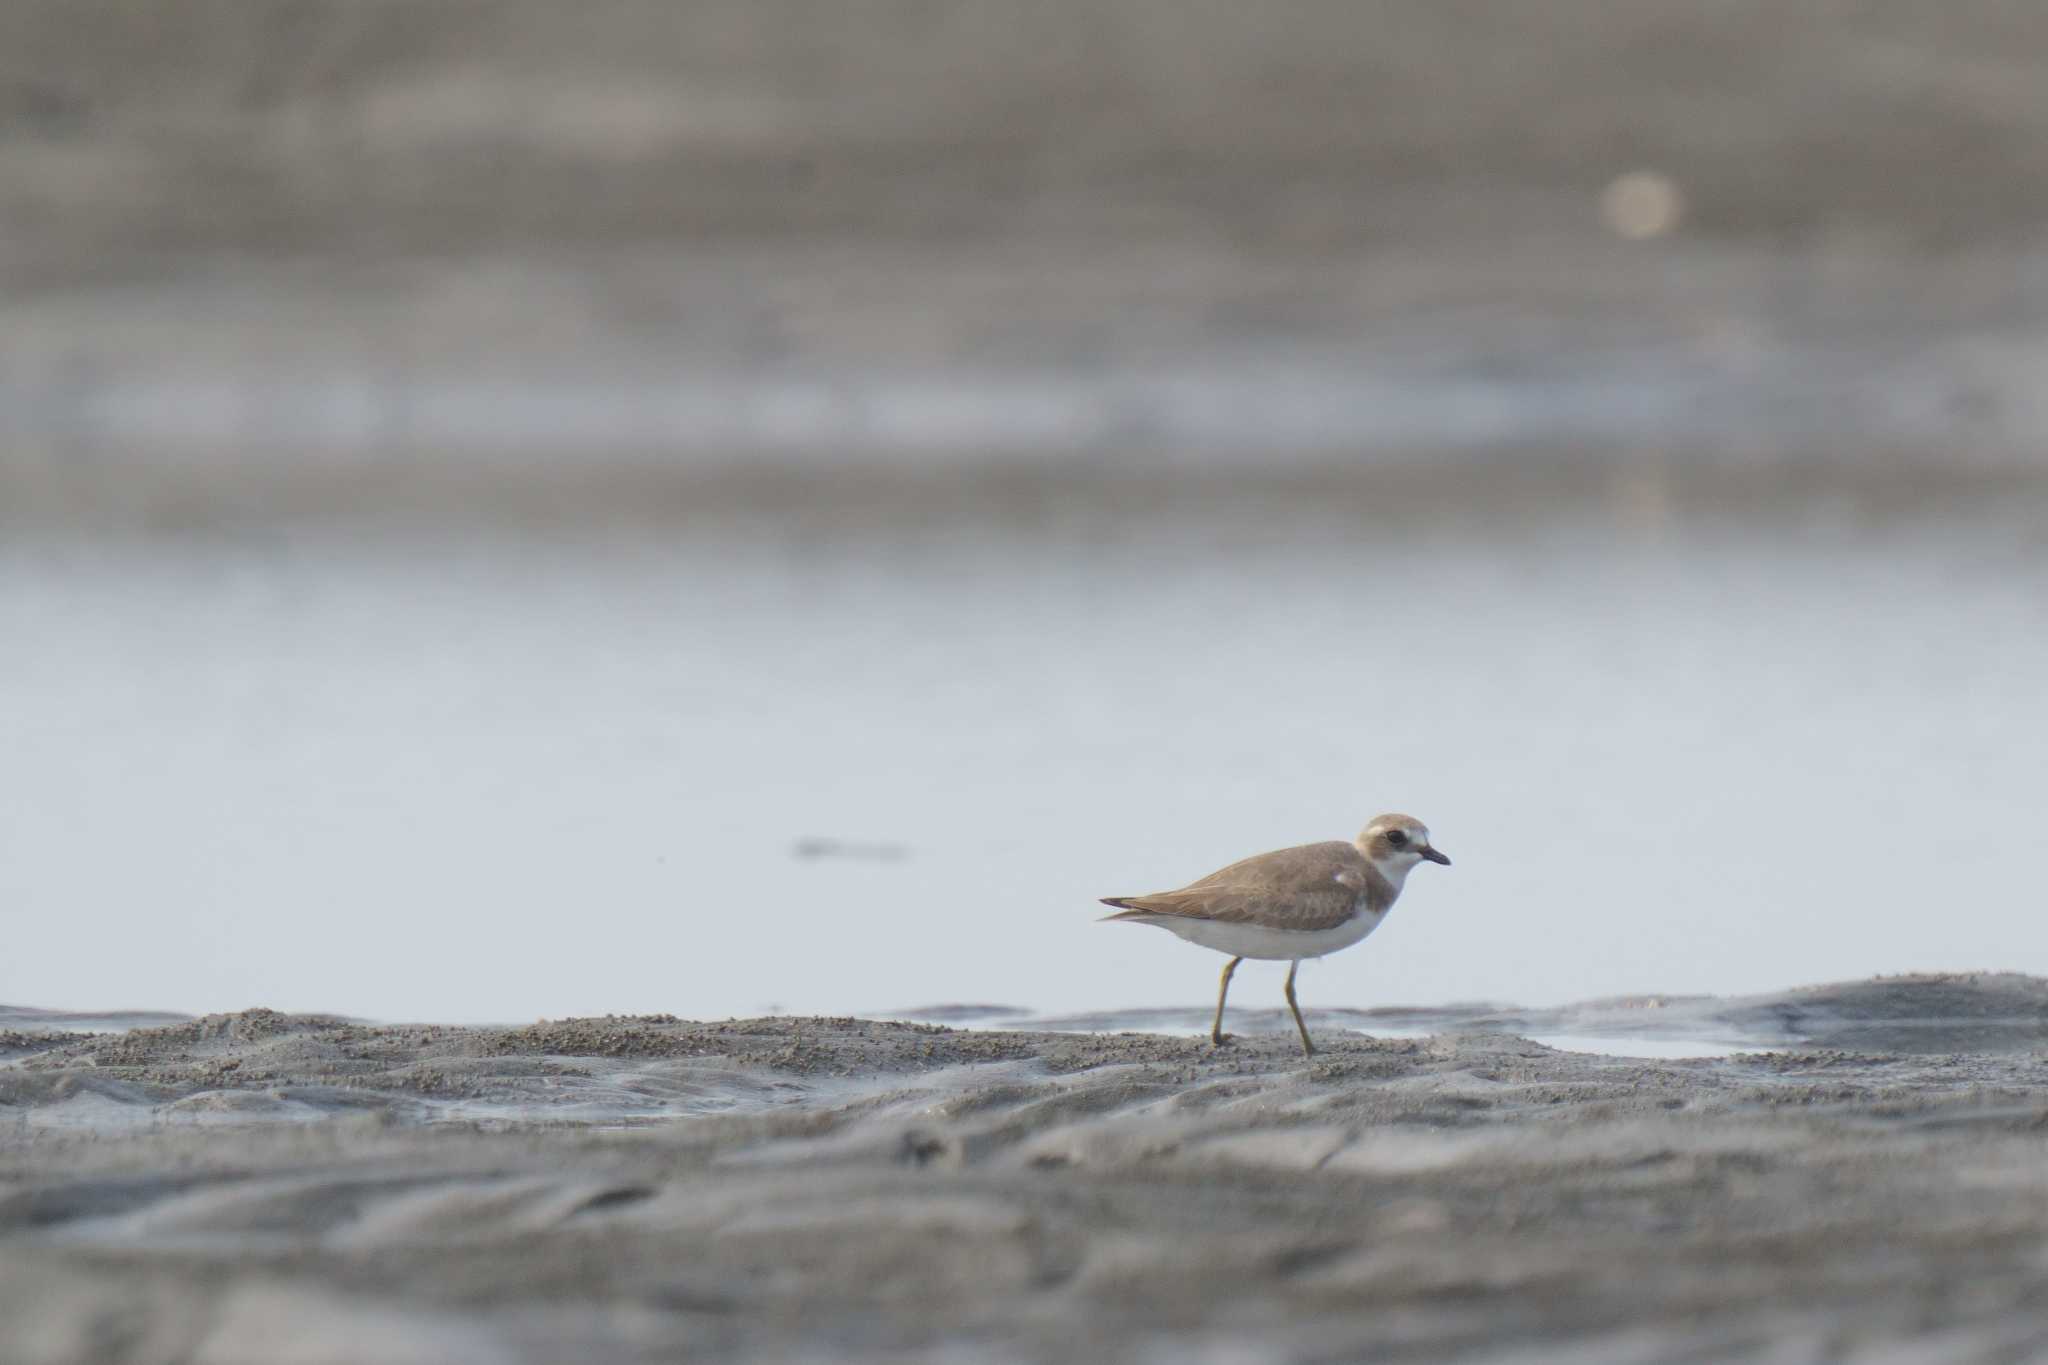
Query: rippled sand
[{"x": 266, "y": 1187}]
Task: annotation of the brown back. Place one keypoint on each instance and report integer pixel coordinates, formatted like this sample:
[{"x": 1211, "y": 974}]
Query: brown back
[{"x": 1314, "y": 886}]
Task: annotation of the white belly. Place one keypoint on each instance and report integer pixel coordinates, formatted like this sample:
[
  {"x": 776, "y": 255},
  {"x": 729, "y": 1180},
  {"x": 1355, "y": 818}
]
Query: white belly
[{"x": 1271, "y": 945}]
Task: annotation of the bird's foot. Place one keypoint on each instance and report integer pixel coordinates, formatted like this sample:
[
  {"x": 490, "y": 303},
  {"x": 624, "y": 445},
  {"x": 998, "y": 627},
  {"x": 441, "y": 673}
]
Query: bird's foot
[{"x": 1222, "y": 1039}]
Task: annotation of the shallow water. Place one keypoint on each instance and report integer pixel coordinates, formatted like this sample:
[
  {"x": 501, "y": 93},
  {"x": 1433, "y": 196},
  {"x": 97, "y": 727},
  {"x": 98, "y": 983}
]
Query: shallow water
[
  {"x": 494, "y": 777},
  {"x": 1635, "y": 1047},
  {"x": 1605, "y": 1045}
]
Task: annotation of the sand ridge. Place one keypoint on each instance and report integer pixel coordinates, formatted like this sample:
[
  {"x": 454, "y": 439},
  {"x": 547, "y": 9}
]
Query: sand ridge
[{"x": 267, "y": 1186}]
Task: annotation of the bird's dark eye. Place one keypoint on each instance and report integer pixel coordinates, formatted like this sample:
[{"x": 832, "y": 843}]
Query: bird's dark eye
[{"x": 1397, "y": 838}]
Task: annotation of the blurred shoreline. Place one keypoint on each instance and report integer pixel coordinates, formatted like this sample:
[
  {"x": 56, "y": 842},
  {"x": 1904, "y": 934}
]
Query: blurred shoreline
[
  {"x": 742, "y": 240},
  {"x": 874, "y": 360},
  {"x": 122, "y": 496}
]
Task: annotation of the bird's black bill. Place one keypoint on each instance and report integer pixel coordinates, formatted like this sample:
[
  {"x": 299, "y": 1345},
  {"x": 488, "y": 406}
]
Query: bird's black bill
[{"x": 1435, "y": 856}]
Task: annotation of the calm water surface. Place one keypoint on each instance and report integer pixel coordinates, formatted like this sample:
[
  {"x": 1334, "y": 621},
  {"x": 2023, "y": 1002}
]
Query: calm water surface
[{"x": 769, "y": 762}]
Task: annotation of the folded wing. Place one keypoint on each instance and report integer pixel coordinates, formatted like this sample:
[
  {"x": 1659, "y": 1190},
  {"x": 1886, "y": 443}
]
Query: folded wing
[{"x": 1316, "y": 886}]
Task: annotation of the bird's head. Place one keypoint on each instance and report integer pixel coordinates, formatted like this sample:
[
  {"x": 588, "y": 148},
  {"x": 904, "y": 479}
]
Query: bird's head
[{"x": 1395, "y": 843}]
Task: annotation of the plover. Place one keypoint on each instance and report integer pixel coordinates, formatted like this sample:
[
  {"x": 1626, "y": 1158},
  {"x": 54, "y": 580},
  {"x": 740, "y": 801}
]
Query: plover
[{"x": 1291, "y": 903}]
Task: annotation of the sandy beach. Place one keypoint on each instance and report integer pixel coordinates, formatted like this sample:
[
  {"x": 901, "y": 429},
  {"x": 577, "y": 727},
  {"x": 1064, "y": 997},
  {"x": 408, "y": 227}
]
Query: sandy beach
[{"x": 1868, "y": 1184}]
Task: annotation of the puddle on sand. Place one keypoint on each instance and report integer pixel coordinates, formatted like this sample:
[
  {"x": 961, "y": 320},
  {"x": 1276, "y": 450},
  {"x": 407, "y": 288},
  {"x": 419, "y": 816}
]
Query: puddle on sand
[
  {"x": 1602, "y": 1044},
  {"x": 1654, "y": 1048}
]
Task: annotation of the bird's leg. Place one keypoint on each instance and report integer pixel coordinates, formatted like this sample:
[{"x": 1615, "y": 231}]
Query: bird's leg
[
  {"x": 1216, "y": 1029},
  {"x": 1308, "y": 1049}
]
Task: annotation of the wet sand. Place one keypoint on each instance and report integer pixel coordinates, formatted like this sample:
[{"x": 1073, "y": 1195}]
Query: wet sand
[{"x": 266, "y": 1187}]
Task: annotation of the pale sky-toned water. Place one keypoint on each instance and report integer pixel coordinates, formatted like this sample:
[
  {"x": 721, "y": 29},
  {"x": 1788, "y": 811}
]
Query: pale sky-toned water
[{"x": 498, "y": 778}]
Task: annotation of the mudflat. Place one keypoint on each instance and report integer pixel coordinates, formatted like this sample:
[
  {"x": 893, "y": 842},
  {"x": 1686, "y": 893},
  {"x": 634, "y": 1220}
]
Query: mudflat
[{"x": 258, "y": 1186}]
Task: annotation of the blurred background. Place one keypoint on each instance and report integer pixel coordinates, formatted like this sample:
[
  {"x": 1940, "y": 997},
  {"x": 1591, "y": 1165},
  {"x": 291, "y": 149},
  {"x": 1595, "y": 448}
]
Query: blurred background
[{"x": 511, "y": 509}]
